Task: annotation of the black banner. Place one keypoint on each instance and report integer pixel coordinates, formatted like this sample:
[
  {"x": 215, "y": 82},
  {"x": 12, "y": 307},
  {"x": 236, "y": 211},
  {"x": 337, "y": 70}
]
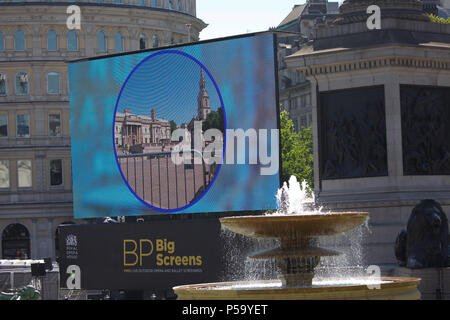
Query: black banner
[{"x": 140, "y": 256}]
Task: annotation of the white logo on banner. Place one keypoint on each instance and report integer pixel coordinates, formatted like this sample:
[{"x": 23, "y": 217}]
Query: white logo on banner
[
  {"x": 71, "y": 247},
  {"x": 71, "y": 240}
]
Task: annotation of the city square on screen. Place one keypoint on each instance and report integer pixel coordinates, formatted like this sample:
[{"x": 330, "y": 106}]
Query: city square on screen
[{"x": 213, "y": 105}]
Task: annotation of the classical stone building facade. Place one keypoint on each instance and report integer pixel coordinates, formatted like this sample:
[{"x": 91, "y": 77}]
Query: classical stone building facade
[
  {"x": 35, "y": 44},
  {"x": 133, "y": 129}
]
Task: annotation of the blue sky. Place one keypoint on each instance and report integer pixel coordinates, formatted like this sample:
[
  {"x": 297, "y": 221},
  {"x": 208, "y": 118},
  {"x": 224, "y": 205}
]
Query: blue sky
[
  {"x": 170, "y": 84},
  {"x": 231, "y": 17}
]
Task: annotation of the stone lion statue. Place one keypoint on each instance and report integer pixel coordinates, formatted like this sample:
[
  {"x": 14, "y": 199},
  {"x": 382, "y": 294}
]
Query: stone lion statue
[{"x": 424, "y": 243}]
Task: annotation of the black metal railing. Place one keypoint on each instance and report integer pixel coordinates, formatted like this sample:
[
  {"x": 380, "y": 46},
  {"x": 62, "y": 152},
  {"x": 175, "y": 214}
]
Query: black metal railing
[{"x": 157, "y": 180}]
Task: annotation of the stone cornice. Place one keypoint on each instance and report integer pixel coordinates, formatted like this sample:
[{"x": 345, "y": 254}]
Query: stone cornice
[
  {"x": 340, "y": 60},
  {"x": 376, "y": 63},
  {"x": 92, "y": 4},
  {"x": 9, "y": 11},
  {"x": 332, "y": 31}
]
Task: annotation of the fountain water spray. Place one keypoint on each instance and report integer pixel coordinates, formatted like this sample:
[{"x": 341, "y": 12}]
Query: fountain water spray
[{"x": 293, "y": 198}]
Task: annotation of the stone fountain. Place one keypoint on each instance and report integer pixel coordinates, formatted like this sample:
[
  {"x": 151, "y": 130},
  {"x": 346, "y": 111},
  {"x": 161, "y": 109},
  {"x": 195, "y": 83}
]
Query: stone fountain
[{"x": 297, "y": 256}]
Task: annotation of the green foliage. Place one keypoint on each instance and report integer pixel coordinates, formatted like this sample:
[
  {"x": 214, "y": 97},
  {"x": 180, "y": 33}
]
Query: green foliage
[
  {"x": 173, "y": 126},
  {"x": 7, "y": 296},
  {"x": 214, "y": 120},
  {"x": 24, "y": 293},
  {"x": 296, "y": 152},
  {"x": 437, "y": 19},
  {"x": 28, "y": 293}
]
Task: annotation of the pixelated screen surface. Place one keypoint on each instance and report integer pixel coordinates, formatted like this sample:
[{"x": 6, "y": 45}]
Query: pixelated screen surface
[{"x": 127, "y": 109}]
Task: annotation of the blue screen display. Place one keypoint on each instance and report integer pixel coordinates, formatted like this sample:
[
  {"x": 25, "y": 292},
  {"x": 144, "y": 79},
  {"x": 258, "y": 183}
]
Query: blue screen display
[{"x": 185, "y": 129}]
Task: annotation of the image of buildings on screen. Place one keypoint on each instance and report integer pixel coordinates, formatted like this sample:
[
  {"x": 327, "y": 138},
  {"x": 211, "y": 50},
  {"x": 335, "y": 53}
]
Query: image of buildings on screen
[{"x": 144, "y": 150}]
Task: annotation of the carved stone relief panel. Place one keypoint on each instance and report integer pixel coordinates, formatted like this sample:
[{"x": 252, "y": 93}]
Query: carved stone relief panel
[
  {"x": 352, "y": 129},
  {"x": 425, "y": 130}
]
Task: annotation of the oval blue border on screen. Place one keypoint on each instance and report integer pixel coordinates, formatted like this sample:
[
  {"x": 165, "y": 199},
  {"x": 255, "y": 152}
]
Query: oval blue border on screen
[{"x": 224, "y": 135}]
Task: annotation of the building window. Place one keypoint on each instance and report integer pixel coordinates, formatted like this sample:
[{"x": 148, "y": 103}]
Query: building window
[
  {"x": 56, "y": 176},
  {"x": 16, "y": 242},
  {"x": 72, "y": 41},
  {"x": 142, "y": 42},
  {"x": 53, "y": 83},
  {"x": 302, "y": 101},
  {"x": 4, "y": 174},
  {"x": 21, "y": 83},
  {"x": 23, "y": 125},
  {"x": 179, "y": 5},
  {"x": 3, "y": 125},
  {"x": 24, "y": 173},
  {"x": 296, "y": 125},
  {"x": 2, "y": 42},
  {"x": 54, "y": 124},
  {"x": 117, "y": 1},
  {"x": 101, "y": 42},
  {"x": 2, "y": 84},
  {"x": 141, "y": 2},
  {"x": 19, "y": 41},
  {"x": 118, "y": 42},
  {"x": 303, "y": 122},
  {"x": 155, "y": 41},
  {"x": 52, "y": 40},
  {"x": 170, "y": 4},
  {"x": 154, "y": 3},
  {"x": 293, "y": 104}
]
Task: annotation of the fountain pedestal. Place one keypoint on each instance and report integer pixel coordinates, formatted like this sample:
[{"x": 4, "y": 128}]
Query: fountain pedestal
[
  {"x": 297, "y": 272},
  {"x": 296, "y": 259}
]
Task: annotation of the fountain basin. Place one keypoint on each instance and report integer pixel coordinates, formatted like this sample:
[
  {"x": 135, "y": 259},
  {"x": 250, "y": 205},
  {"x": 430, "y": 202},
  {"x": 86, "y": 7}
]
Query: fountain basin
[
  {"x": 294, "y": 225},
  {"x": 297, "y": 257},
  {"x": 390, "y": 288}
]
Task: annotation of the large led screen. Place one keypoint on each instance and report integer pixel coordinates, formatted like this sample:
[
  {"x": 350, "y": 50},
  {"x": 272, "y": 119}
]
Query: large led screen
[{"x": 182, "y": 129}]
